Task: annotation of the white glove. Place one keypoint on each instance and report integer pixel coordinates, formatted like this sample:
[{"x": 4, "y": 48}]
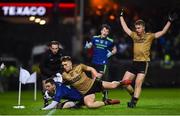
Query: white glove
[
  {"x": 88, "y": 45},
  {"x": 58, "y": 78},
  {"x": 47, "y": 96},
  {"x": 109, "y": 54}
]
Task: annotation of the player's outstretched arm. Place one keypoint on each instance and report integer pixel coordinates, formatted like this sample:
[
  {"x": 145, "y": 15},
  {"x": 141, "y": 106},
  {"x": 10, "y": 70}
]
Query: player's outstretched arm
[
  {"x": 50, "y": 106},
  {"x": 163, "y": 31},
  {"x": 94, "y": 72},
  {"x": 171, "y": 18},
  {"x": 123, "y": 23}
]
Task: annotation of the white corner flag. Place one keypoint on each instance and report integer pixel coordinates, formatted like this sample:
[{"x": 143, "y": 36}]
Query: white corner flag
[{"x": 24, "y": 78}]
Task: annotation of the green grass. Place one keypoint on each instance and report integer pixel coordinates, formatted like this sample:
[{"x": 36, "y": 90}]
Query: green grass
[{"x": 152, "y": 102}]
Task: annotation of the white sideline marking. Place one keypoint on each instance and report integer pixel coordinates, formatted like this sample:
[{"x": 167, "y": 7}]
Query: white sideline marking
[{"x": 51, "y": 112}]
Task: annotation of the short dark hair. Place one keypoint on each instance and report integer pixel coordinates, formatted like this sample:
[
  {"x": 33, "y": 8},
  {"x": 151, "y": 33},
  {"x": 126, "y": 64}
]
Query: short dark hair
[
  {"x": 106, "y": 26},
  {"x": 66, "y": 58},
  {"x": 49, "y": 81},
  {"x": 53, "y": 43},
  {"x": 140, "y": 22}
]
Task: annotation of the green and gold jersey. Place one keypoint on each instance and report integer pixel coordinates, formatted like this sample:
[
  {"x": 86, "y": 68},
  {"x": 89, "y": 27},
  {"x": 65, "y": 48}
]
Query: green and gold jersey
[
  {"x": 78, "y": 79},
  {"x": 142, "y": 46}
]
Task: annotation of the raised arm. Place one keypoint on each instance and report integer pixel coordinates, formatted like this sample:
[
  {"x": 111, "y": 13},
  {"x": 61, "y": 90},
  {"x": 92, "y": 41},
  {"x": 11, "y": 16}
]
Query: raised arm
[
  {"x": 124, "y": 26},
  {"x": 163, "y": 31},
  {"x": 171, "y": 18}
]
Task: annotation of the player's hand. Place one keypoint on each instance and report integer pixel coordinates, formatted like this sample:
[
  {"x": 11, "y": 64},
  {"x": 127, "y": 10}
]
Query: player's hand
[
  {"x": 58, "y": 74},
  {"x": 88, "y": 45},
  {"x": 172, "y": 16},
  {"x": 97, "y": 75},
  {"x": 122, "y": 12},
  {"x": 43, "y": 109},
  {"x": 109, "y": 54}
]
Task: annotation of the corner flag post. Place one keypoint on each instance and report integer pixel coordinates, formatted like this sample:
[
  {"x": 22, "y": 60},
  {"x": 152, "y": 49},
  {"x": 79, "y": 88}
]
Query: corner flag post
[
  {"x": 25, "y": 78},
  {"x": 35, "y": 90},
  {"x": 19, "y": 99}
]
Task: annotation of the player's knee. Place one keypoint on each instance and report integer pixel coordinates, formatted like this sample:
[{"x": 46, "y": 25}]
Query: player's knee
[
  {"x": 114, "y": 86},
  {"x": 69, "y": 104}
]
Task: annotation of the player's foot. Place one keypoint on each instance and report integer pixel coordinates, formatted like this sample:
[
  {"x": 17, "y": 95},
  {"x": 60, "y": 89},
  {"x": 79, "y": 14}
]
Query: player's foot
[
  {"x": 131, "y": 104},
  {"x": 125, "y": 82},
  {"x": 111, "y": 101}
]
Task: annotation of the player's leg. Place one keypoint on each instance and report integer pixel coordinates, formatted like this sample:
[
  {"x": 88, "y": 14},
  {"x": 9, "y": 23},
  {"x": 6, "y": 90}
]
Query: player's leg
[
  {"x": 137, "y": 90},
  {"x": 115, "y": 84},
  {"x": 89, "y": 101},
  {"x": 89, "y": 98},
  {"x": 129, "y": 76},
  {"x": 66, "y": 104},
  {"x": 104, "y": 71},
  {"x": 141, "y": 68}
]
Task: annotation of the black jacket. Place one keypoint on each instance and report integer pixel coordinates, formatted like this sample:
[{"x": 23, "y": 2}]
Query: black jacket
[{"x": 50, "y": 64}]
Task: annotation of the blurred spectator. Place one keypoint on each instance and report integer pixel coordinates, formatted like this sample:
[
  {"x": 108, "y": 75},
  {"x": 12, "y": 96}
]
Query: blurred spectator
[{"x": 167, "y": 62}]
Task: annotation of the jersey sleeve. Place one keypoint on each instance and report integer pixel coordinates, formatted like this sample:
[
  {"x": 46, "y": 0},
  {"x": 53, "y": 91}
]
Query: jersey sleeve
[
  {"x": 83, "y": 66},
  {"x": 133, "y": 35},
  {"x": 111, "y": 43},
  {"x": 51, "y": 106},
  {"x": 152, "y": 36},
  {"x": 64, "y": 76}
]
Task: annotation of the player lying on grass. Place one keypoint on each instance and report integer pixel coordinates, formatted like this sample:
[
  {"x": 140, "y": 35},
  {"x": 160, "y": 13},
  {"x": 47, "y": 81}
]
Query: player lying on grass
[
  {"x": 76, "y": 77},
  {"x": 58, "y": 91}
]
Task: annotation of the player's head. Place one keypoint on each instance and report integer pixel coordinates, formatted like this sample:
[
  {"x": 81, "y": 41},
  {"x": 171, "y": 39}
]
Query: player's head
[
  {"x": 54, "y": 46},
  {"x": 139, "y": 26},
  {"x": 66, "y": 62},
  {"x": 50, "y": 85},
  {"x": 105, "y": 30}
]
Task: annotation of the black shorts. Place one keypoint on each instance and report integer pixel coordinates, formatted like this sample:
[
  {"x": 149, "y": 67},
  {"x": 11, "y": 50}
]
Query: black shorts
[
  {"x": 100, "y": 68},
  {"x": 139, "y": 67},
  {"x": 97, "y": 87}
]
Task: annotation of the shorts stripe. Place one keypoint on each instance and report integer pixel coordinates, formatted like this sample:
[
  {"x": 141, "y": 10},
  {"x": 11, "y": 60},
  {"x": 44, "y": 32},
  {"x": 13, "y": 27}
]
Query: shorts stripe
[
  {"x": 105, "y": 67},
  {"x": 146, "y": 69}
]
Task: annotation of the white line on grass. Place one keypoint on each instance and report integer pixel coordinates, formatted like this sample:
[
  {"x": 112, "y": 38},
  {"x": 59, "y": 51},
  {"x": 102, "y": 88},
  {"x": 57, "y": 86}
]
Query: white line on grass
[{"x": 51, "y": 112}]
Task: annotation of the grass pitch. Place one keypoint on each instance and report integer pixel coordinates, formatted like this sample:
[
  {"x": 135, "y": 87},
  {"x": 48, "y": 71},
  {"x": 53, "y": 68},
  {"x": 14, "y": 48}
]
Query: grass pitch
[{"x": 152, "y": 102}]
